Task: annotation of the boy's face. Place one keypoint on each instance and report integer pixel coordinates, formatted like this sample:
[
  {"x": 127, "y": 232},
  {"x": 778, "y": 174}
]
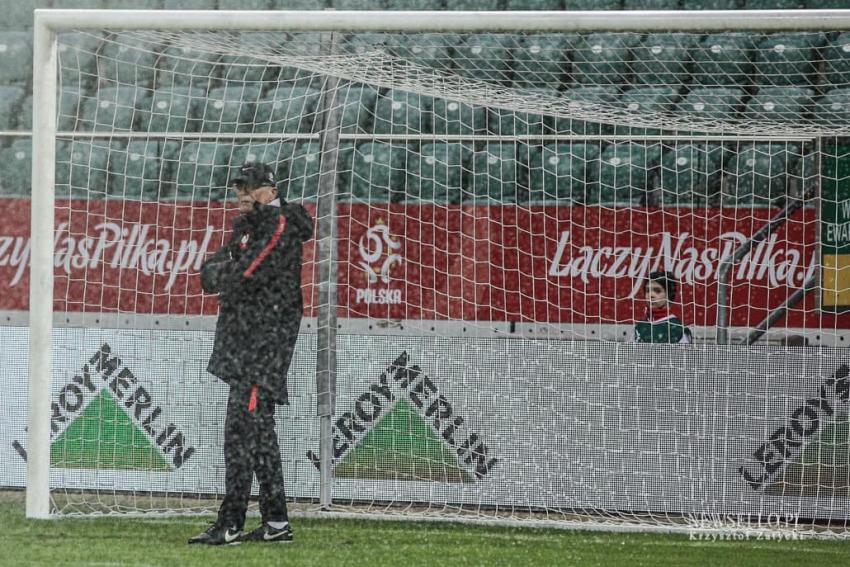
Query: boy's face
[{"x": 656, "y": 295}]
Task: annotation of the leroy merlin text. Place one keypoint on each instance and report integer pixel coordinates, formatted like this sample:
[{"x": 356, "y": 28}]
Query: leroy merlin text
[
  {"x": 372, "y": 405},
  {"x": 103, "y": 368}
]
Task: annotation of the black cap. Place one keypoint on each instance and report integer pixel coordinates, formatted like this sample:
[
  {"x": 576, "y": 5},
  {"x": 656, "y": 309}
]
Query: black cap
[{"x": 254, "y": 174}]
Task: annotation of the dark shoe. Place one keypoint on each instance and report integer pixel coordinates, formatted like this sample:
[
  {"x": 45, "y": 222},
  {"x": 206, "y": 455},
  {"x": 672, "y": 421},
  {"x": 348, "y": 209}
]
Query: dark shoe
[
  {"x": 268, "y": 533},
  {"x": 218, "y": 535}
]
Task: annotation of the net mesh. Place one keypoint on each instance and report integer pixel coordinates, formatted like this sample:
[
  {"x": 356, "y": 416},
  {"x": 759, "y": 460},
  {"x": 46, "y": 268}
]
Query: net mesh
[{"x": 501, "y": 201}]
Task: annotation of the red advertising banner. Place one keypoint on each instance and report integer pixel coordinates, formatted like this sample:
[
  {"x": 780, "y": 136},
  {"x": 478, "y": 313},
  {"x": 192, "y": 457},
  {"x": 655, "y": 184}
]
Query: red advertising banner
[{"x": 400, "y": 261}]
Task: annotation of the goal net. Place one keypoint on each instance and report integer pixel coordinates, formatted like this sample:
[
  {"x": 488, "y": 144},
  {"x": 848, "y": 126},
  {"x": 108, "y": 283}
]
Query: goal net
[{"x": 492, "y": 210}]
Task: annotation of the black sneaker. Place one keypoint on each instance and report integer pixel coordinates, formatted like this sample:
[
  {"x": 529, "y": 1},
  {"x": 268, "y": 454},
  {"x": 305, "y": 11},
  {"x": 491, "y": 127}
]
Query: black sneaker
[
  {"x": 267, "y": 533},
  {"x": 218, "y": 535}
]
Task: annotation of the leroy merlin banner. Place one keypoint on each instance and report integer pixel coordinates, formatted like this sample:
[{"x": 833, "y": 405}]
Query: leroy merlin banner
[
  {"x": 484, "y": 421},
  {"x": 474, "y": 263}
]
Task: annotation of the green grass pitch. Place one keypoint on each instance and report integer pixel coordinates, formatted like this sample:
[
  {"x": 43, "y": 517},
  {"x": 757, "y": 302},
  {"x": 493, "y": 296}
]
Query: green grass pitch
[{"x": 328, "y": 543}]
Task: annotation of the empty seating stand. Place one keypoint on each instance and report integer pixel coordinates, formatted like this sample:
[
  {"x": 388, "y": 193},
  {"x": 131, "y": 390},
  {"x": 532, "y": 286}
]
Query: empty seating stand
[
  {"x": 788, "y": 59},
  {"x": 723, "y": 59},
  {"x": 626, "y": 173},
  {"x": 690, "y": 174},
  {"x": 435, "y": 173},
  {"x": 15, "y": 58},
  {"x": 759, "y": 174},
  {"x": 558, "y": 174}
]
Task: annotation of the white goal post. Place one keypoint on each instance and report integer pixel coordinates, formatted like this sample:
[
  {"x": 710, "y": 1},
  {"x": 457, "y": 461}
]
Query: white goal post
[{"x": 799, "y": 394}]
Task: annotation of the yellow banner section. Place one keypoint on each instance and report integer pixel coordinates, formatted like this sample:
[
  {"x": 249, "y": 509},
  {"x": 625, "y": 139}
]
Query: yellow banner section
[{"x": 836, "y": 281}]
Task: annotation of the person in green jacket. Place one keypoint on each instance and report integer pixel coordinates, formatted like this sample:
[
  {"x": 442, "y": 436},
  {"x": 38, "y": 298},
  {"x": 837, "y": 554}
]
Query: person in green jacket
[{"x": 661, "y": 324}]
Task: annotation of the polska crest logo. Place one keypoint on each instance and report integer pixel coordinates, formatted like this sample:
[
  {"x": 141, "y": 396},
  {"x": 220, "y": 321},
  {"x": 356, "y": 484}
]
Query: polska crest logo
[{"x": 378, "y": 252}]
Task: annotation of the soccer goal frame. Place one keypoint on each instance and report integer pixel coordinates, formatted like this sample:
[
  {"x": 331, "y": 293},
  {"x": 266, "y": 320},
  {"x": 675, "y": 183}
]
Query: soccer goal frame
[{"x": 48, "y": 23}]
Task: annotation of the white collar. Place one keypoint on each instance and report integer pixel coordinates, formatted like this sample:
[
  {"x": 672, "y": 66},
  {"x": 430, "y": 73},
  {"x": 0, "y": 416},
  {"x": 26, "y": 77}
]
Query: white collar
[{"x": 275, "y": 203}]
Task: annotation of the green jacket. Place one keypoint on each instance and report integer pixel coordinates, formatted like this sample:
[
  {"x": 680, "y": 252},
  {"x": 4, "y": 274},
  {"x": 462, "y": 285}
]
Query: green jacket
[{"x": 669, "y": 329}]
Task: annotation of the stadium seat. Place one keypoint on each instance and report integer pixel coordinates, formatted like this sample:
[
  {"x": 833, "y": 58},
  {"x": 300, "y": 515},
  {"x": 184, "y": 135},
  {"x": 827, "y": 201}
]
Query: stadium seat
[
  {"x": 709, "y": 4},
  {"x": 11, "y": 102},
  {"x": 532, "y": 5},
  {"x": 25, "y": 119},
  {"x": 202, "y": 169},
  {"x": 360, "y": 43},
  {"x": 378, "y": 172},
  {"x": 723, "y": 59},
  {"x": 134, "y": 4},
  {"x": 78, "y": 57},
  {"x": 123, "y": 59},
  {"x": 781, "y": 4},
  {"x": 357, "y": 4},
  {"x": 512, "y": 123},
  {"x": 833, "y": 109},
  {"x": 276, "y": 153},
  {"x": 115, "y": 109},
  {"x": 489, "y": 5},
  {"x": 248, "y": 69},
  {"x": 415, "y": 5},
  {"x": 486, "y": 57},
  {"x": 17, "y": 15},
  {"x": 584, "y": 100},
  {"x": 190, "y": 4},
  {"x": 494, "y": 175},
  {"x": 301, "y": 44},
  {"x": 458, "y": 118},
  {"x": 82, "y": 169},
  {"x": 825, "y": 4},
  {"x": 690, "y": 174},
  {"x": 174, "y": 109},
  {"x": 780, "y": 104},
  {"x": 15, "y": 58},
  {"x": 541, "y": 60},
  {"x": 788, "y": 59},
  {"x": 836, "y": 57},
  {"x": 230, "y": 109},
  {"x": 558, "y": 174},
  {"x": 603, "y": 58},
  {"x": 626, "y": 173},
  {"x": 68, "y": 100},
  {"x": 303, "y": 171},
  {"x": 664, "y": 59},
  {"x": 288, "y": 110},
  {"x": 80, "y": 4},
  {"x": 712, "y": 103},
  {"x": 402, "y": 112},
  {"x": 431, "y": 50},
  {"x": 183, "y": 66},
  {"x": 435, "y": 173},
  {"x": 585, "y": 5},
  {"x": 135, "y": 170},
  {"x": 243, "y": 4},
  {"x": 298, "y": 5},
  {"x": 16, "y": 169},
  {"x": 760, "y": 173},
  {"x": 650, "y": 4},
  {"x": 358, "y": 107},
  {"x": 650, "y": 100},
  {"x": 647, "y": 104}
]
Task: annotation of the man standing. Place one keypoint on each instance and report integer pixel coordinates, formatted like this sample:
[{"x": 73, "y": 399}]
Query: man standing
[{"x": 257, "y": 275}]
